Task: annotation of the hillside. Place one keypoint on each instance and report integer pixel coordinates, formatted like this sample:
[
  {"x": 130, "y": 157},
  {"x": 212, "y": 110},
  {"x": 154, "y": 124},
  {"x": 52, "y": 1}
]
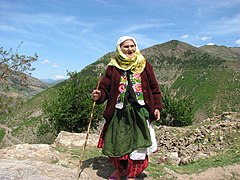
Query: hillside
[
  {"x": 12, "y": 86},
  {"x": 223, "y": 52},
  {"x": 209, "y": 74},
  {"x": 211, "y": 81},
  {"x": 14, "y": 92}
]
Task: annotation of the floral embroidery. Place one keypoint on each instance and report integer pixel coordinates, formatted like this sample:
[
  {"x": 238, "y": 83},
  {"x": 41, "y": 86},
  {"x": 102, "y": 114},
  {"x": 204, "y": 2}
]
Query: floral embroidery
[
  {"x": 137, "y": 87},
  {"x": 122, "y": 88}
]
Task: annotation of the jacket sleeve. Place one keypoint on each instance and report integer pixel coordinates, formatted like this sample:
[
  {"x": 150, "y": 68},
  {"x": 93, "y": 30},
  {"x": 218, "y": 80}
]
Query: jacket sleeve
[
  {"x": 104, "y": 86},
  {"x": 154, "y": 86}
]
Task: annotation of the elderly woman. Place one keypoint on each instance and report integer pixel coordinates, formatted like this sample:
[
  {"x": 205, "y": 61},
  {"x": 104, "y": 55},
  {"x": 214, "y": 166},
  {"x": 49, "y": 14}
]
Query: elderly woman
[{"x": 133, "y": 102}]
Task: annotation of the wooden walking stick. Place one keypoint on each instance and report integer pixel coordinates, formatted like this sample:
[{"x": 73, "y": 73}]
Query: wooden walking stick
[{"x": 86, "y": 139}]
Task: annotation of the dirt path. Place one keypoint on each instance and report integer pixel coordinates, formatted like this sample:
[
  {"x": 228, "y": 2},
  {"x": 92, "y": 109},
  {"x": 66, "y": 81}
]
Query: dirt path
[{"x": 8, "y": 139}]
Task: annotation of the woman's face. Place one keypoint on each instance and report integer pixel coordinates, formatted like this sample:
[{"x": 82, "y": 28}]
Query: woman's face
[{"x": 128, "y": 48}]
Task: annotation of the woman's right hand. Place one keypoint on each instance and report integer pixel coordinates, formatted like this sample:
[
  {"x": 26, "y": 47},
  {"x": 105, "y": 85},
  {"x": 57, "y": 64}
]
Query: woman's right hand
[{"x": 96, "y": 94}]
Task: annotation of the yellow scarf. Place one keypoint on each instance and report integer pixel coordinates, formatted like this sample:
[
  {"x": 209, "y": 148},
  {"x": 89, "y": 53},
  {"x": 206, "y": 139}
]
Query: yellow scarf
[{"x": 136, "y": 64}]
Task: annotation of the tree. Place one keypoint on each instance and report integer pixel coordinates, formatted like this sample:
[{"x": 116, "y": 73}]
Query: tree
[
  {"x": 70, "y": 109},
  {"x": 176, "y": 111},
  {"x": 13, "y": 64},
  {"x": 13, "y": 68}
]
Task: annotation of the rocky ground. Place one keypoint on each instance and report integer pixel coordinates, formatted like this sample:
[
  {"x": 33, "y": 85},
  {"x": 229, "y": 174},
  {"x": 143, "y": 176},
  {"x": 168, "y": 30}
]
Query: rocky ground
[{"x": 45, "y": 162}]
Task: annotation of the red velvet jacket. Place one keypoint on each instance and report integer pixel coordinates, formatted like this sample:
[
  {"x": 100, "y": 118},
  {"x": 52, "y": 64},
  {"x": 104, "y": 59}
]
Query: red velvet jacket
[{"x": 109, "y": 89}]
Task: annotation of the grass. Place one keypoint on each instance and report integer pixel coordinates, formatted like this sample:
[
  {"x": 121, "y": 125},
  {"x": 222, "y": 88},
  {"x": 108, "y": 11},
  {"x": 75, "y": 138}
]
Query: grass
[
  {"x": 211, "y": 88},
  {"x": 2, "y": 134},
  {"x": 26, "y": 124}
]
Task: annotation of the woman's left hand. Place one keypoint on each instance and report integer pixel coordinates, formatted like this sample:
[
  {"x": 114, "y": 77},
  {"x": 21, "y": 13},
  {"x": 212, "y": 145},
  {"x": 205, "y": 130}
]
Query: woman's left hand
[{"x": 157, "y": 114}]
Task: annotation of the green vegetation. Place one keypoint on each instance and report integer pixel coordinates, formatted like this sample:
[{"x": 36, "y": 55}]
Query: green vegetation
[
  {"x": 26, "y": 118},
  {"x": 176, "y": 111},
  {"x": 210, "y": 88},
  {"x": 97, "y": 67},
  {"x": 70, "y": 109},
  {"x": 2, "y": 134}
]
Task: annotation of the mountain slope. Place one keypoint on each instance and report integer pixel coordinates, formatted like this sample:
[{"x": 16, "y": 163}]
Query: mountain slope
[
  {"x": 14, "y": 92},
  {"x": 12, "y": 85},
  {"x": 223, "y": 51},
  {"x": 210, "y": 74},
  {"x": 211, "y": 81}
]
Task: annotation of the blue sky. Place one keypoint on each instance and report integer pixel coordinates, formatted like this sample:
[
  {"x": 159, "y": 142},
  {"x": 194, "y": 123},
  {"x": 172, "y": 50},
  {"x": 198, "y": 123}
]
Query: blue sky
[{"x": 68, "y": 35}]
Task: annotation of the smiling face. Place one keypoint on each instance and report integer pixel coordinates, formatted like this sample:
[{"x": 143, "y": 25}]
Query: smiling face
[{"x": 128, "y": 47}]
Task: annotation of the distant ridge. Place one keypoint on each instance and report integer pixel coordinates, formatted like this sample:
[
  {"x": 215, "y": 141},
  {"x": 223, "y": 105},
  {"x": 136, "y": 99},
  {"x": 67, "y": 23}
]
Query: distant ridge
[
  {"x": 31, "y": 86},
  {"x": 51, "y": 82},
  {"x": 223, "y": 51}
]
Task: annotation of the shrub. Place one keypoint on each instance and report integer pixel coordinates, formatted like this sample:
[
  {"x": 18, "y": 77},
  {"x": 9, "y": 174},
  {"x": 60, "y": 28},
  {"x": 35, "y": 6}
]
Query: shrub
[
  {"x": 70, "y": 109},
  {"x": 175, "y": 112}
]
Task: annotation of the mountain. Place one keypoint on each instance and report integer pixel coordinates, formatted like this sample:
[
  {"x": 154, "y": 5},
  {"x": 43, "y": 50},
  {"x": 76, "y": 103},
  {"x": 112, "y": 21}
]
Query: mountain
[
  {"x": 236, "y": 49},
  {"x": 48, "y": 81},
  {"x": 51, "y": 82},
  {"x": 223, "y": 51},
  {"x": 13, "y": 87},
  {"x": 209, "y": 75},
  {"x": 14, "y": 92}
]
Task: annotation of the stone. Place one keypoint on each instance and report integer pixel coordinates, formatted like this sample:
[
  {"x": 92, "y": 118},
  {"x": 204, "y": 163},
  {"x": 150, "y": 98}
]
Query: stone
[
  {"x": 32, "y": 169},
  {"x": 68, "y": 139}
]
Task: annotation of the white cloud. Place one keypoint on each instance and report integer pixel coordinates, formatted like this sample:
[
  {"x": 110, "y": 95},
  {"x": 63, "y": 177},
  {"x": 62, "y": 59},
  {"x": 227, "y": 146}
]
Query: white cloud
[
  {"x": 55, "y": 65},
  {"x": 46, "y": 61},
  {"x": 237, "y": 41},
  {"x": 210, "y": 44},
  {"x": 204, "y": 38},
  {"x": 184, "y": 36}
]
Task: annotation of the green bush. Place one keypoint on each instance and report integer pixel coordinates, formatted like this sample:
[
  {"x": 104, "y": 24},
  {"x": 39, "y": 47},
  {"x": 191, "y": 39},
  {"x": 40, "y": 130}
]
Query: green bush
[
  {"x": 176, "y": 111},
  {"x": 2, "y": 134},
  {"x": 70, "y": 109}
]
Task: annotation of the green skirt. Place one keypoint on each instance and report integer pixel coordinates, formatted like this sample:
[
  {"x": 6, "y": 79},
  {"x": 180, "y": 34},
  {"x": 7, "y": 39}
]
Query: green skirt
[{"x": 127, "y": 131}]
